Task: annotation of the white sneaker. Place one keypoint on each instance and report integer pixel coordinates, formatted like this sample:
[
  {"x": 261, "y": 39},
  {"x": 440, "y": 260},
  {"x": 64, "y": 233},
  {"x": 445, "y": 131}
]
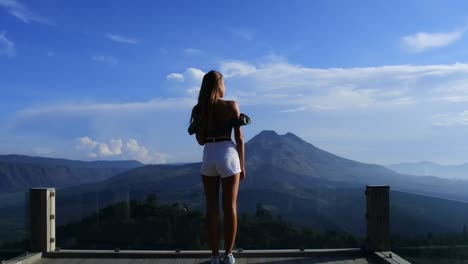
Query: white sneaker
[
  {"x": 214, "y": 260},
  {"x": 229, "y": 259}
]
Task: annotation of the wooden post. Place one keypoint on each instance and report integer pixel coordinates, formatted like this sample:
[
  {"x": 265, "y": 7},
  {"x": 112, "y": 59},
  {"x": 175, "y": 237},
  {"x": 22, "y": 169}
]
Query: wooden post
[
  {"x": 42, "y": 219},
  {"x": 378, "y": 218}
]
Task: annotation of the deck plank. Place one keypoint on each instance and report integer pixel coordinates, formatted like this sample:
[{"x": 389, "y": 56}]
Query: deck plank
[{"x": 241, "y": 260}]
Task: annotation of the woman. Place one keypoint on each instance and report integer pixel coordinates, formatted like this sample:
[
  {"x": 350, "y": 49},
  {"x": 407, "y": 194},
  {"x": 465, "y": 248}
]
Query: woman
[{"x": 212, "y": 120}]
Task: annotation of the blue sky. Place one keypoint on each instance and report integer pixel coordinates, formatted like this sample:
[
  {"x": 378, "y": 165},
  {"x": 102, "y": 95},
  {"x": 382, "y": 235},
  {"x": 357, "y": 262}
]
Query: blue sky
[{"x": 374, "y": 81}]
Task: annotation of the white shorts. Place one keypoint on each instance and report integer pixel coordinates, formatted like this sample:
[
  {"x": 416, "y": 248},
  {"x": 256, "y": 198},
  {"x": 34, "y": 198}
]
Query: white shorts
[{"x": 220, "y": 159}]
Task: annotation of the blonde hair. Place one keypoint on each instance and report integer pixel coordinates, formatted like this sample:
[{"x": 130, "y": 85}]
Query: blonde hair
[{"x": 210, "y": 91}]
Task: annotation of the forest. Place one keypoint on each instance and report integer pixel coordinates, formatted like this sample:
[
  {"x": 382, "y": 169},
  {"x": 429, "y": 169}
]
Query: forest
[{"x": 148, "y": 224}]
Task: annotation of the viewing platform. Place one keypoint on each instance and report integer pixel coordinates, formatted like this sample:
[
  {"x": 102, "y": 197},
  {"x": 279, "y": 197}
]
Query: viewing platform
[
  {"x": 42, "y": 242},
  {"x": 315, "y": 256}
]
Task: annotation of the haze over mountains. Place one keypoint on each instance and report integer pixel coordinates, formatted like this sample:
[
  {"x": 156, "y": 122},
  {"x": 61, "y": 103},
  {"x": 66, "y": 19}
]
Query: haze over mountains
[
  {"x": 291, "y": 178},
  {"x": 426, "y": 168}
]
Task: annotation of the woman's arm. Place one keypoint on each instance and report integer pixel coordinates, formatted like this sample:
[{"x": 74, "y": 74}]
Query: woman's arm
[
  {"x": 239, "y": 137},
  {"x": 194, "y": 126},
  {"x": 200, "y": 135}
]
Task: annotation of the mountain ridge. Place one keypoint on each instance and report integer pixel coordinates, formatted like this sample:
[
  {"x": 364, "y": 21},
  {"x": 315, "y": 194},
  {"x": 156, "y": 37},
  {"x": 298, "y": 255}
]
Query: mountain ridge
[
  {"x": 17, "y": 158},
  {"x": 21, "y": 172}
]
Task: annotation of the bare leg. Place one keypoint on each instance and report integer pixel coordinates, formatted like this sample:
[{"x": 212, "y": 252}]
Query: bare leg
[
  {"x": 211, "y": 185},
  {"x": 230, "y": 187}
]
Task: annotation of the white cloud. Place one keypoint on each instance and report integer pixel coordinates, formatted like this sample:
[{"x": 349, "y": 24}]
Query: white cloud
[
  {"x": 21, "y": 12},
  {"x": 86, "y": 143},
  {"x": 142, "y": 154},
  {"x": 452, "y": 91},
  {"x": 422, "y": 41},
  {"x": 340, "y": 99},
  {"x": 298, "y": 109},
  {"x": 119, "y": 149},
  {"x": 299, "y": 88},
  {"x": 176, "y": 77},
  {"x": 232, "y": 68},
  {"x": 243, "y": 34},
  {"x": 103, "y": 150},
  {"x": 115, "y": 146},
  {"x": 121, "y": 39},
  {"x": 293, "y": 88},
  {"x": 110, "y": 60},
  {"x": 191, "y": 80},
  {"x": 454, "y": 119},
  {"x": 86, "y": 108},
  {"x": 193, "y": 74},
  {"x": 190, "y": 75},
  {"x": 194, "y": 90},
  {"x": 7, "y": 47},
  {"x": 192, "y": 51},
  {"x": 377, "y": 105}
]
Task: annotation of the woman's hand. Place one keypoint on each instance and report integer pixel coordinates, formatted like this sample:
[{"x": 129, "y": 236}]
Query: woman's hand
[{"x": 242, "y": 175}]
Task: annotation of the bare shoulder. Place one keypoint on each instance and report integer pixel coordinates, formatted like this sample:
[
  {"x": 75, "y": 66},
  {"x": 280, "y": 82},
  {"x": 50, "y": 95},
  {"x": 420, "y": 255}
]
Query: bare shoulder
[
  {"x": 231, "y": 103},
  {"x": 233, "y": 106}
]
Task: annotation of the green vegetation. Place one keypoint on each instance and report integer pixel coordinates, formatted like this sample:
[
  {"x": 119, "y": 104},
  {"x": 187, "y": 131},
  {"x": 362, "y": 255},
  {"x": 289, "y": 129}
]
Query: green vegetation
[
  {"x": 439, "y": 248},
  {"x": 431, "y": 239},
  {"x": 135, "y": 225},
  {"x": 153, "y": 225},
  {"x": 150, "y": 225},
  {"x": 265, "y": 231}
]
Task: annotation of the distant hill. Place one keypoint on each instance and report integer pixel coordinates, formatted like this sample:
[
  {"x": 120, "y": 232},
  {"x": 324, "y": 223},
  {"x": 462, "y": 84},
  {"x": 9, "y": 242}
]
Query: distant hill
[
  {"x": 426, "y": 168},
  {"x": 18, "y": 172},
  {"x": 13, "y": 158},
  {"x": 413, "y": 214},
  {"x": 293, "y": 154},
  {"x": 294, "y": 178}
]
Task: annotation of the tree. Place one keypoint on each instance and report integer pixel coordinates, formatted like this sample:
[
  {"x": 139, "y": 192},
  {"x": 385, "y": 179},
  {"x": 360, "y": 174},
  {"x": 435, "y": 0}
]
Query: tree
[
  {"x": 262, "y": 212},
  {"x": 152, "y": 199}
]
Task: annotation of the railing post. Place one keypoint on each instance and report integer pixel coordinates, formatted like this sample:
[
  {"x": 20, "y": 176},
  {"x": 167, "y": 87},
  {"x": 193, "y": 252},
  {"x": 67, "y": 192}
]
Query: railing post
[
  {"x": 42, "y": 219},
  {"x": 378, "y": 218}
]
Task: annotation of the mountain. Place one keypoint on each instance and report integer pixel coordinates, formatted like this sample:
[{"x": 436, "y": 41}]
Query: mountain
[
  {"x": 294, "y": 178},
  {"x": 18, "y": 172},
  {"x": 426, "y": 168},
  {"x": 291, "y": 178},
  {"x": 13, "y": 158},
  {"x": 293, "y": 154}
]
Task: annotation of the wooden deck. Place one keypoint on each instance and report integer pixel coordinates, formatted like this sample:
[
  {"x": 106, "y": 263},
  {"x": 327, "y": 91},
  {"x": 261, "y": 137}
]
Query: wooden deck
[
  {"x": 315, "y": 260},
  {"x": 328, "y": 256}
]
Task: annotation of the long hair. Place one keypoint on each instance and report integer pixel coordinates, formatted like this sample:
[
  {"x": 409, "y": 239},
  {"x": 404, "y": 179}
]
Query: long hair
[{"x": 210, "y": 91}]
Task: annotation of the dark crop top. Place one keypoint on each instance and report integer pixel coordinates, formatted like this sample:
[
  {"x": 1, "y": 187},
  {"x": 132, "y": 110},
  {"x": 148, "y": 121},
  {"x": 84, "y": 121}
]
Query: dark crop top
[{"x": 222, "y": 127}]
